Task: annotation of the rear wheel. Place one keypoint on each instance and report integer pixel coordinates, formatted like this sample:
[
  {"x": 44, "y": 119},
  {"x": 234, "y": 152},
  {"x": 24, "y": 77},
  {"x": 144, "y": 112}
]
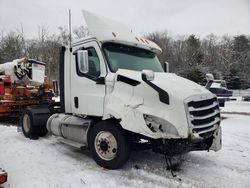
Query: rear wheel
[
  {"x": 27, "y": 125},
  {"x": 108, "y": 145}
]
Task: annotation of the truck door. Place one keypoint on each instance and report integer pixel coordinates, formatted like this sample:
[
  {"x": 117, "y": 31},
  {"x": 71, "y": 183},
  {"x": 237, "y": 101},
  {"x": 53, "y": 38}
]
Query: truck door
[{"x": 88, "y": 89}]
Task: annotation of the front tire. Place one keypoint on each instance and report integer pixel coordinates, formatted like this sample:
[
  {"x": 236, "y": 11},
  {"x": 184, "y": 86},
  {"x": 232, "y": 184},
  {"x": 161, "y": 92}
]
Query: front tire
[{"x": 108, "y": 145}]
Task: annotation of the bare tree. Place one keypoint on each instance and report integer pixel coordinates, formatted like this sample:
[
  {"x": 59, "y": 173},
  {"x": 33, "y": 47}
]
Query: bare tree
[{"x": 80, "y": 32}]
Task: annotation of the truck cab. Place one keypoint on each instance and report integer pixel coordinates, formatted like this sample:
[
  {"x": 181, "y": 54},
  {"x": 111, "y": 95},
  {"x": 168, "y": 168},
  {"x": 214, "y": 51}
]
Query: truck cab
[{"x": 116, "y": 97}]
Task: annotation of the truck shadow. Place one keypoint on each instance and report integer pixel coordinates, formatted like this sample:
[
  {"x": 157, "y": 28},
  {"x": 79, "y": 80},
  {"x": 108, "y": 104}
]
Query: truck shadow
[
  {"x": 149, "y": 160},
  {"x": 9, "y": 121},
  {"x": 156, "y": 163}
]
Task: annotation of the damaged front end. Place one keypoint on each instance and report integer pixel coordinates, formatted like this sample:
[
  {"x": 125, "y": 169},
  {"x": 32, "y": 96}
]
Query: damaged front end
[
  {"x": 203, "y": 116},
  {"x": 172, "y": 147}
]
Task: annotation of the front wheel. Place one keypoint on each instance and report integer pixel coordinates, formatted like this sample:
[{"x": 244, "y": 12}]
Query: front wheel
[{"x": 108, "y": 145}]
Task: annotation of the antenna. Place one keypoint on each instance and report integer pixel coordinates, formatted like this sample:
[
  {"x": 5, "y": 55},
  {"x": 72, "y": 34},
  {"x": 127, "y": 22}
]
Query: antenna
[{"x": 70, "y": 37}]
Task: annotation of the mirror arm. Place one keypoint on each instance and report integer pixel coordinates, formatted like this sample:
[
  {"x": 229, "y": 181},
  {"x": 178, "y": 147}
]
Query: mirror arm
[{"x": 166, "y": 67}]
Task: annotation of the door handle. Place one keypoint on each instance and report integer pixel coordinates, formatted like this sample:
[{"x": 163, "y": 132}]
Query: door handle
[{"x": 76, "y": 102}]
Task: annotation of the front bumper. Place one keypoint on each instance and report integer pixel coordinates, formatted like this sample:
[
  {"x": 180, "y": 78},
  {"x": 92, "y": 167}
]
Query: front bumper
[{"x": 173, "y": 147}]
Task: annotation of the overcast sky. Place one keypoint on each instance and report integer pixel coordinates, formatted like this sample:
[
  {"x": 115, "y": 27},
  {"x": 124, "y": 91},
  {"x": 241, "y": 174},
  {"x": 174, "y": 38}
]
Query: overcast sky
[{"x": 178, "y": 17}]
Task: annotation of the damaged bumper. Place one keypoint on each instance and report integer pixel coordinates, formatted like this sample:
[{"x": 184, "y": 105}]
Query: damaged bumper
[{"x": 173, "y": 147}]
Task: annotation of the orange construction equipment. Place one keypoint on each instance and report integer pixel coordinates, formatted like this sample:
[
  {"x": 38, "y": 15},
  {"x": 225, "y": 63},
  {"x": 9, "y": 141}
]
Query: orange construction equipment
[{"x": 23, "y": 83}]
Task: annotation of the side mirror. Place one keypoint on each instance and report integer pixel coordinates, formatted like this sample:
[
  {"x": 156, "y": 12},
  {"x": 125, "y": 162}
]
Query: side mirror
[
  {"x": 83, "y": 61},
  {"x": 148, "y": 75},
  {"x": 166, "y": 67}
]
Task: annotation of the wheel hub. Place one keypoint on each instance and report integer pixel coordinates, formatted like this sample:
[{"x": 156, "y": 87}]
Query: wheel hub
[
  {"x": 26, "y": 123},
  {"x": 106, "y": 145}
]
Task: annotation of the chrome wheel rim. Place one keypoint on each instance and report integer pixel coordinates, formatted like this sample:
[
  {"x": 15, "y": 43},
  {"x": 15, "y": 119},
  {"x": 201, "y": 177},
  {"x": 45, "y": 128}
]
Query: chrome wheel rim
[
  {"x": 26, "y": 123},
  {"x": 106, "y": 145}
]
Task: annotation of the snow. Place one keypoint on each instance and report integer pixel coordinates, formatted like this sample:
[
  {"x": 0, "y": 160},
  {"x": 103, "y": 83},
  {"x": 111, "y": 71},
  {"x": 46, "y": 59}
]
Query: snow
[
  {"x": 215, "y": 85},
  {"x": 47, "y": 163},
  {"x": 56, "y": 99},
  {"x": 240, "y": 93},
  {"x": 236, "y": 106}
]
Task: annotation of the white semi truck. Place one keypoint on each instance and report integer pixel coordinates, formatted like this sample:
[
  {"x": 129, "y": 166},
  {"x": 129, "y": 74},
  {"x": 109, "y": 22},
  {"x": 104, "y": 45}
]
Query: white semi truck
[{"x": 116, "y": 97}]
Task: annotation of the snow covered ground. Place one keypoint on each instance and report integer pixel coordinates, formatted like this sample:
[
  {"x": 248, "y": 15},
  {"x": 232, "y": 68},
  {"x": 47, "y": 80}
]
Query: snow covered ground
[
  {"x": 46, "y": 163},
  {"x": 237, "y": 106}
]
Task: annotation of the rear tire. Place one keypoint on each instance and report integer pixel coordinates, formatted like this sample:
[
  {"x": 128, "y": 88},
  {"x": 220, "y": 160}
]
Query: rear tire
[
  {"x": 27, "y": 124},
  {"x": 108, "y": 145}
]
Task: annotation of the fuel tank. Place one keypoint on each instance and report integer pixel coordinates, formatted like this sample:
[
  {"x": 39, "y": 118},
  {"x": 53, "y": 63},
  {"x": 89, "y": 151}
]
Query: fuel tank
[{"x": 69, "y": 127}]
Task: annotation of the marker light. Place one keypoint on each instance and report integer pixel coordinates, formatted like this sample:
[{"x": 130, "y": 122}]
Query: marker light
[{"x": 1, "y": 88}]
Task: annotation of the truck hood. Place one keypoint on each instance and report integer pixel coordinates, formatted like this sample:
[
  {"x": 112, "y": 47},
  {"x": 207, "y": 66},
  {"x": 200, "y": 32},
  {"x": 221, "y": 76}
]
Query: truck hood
[{"x": 169, "y": 82}]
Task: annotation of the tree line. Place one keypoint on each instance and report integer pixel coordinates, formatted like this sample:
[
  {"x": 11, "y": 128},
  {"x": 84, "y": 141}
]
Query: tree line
[{"x": 226, "y": 57}]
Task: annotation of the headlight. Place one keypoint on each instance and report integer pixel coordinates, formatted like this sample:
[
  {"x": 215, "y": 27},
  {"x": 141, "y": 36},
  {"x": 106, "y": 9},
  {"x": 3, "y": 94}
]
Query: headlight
[{"x": 156, "y": 124}]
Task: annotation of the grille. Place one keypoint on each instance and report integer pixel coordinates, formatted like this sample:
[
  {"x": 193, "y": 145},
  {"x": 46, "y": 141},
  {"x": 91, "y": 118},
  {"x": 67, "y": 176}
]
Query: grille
[{"x": 204, "y": 115}]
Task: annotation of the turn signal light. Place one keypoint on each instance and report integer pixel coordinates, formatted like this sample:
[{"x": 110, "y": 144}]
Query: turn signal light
[{"x": 3, "y": 178}]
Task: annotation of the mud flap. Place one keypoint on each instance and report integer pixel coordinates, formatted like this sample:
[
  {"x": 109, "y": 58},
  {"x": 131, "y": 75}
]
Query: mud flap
[{"x": 217, "y": 142}]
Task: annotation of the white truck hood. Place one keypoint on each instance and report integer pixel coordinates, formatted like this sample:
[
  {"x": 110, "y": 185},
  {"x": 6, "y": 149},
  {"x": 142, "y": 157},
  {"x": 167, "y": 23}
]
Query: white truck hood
[{"x": 171, "y": 83}]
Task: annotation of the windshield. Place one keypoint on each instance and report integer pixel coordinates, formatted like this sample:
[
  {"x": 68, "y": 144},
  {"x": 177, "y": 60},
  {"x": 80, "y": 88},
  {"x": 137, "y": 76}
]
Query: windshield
[{"x": 132, "y": 58}]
